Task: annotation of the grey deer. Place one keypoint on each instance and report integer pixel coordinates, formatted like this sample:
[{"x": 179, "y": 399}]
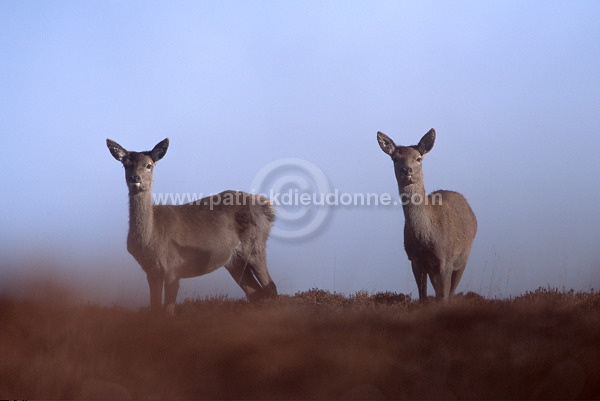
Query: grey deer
[
  {"x": 439, "y": 228},
  {"x": 172, "y": 242}
]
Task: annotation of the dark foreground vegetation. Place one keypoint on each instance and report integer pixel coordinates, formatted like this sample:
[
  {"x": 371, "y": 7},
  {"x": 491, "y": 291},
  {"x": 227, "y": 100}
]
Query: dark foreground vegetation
[{"x": 314, "y": 345}]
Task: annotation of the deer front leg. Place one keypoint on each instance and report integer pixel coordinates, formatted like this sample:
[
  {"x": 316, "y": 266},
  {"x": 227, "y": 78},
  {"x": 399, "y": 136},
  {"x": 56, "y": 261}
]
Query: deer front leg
[
  {"x": 421, "y": 279},
  {"x": 155, "y": 282},
  {"x": 171, "y": 289},
  {"x": 441, "y": 281}
]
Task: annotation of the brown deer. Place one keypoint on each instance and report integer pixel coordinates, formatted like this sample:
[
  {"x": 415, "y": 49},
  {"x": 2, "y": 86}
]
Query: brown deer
[
  {"x": 172, "y": 242},
  {"x": 439, "y": 228}
]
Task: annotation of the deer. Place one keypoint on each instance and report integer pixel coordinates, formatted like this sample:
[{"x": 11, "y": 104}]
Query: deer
[
  {"x": 171, "y": 242},
  {"x": 439, "y": 228}
]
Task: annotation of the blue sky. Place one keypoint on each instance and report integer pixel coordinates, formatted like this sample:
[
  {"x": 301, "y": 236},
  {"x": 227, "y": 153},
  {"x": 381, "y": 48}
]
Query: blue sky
[{"x": 511, "y": 87}]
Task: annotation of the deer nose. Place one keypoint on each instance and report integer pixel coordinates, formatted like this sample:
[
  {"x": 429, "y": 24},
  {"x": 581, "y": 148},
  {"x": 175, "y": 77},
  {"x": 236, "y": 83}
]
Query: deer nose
[
  {"x": 406, "y": 170},
  {"x": 136, "y": 178}
]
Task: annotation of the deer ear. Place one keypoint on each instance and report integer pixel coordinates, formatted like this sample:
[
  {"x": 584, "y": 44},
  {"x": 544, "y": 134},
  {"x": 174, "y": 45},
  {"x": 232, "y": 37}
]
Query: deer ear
[
  {"x": 160, "y": 150},
  {"x": 386, "y": 143},
  {"x": 426, "y": 143},
  {"x": 116, "y": 150}
]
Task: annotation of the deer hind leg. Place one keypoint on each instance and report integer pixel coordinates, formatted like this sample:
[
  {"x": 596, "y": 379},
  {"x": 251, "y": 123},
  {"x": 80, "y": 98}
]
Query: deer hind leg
[
  {"x": 456, "y": 275},
  {"x": 155, "y": 282}
]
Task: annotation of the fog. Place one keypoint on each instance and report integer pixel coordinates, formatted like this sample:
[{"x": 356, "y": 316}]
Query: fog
[{"x": 290, "y": 95}]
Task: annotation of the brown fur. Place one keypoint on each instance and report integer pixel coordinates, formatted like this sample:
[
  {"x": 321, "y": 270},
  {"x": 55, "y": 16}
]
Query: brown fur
[
  {"x": 439, "y": 228},
  {"x": 173, "y": 242}
]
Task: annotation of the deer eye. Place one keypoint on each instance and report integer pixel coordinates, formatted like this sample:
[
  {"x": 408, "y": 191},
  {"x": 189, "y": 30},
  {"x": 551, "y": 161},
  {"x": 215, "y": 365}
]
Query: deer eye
[
  {"x": 419, "y": 159},
  {"x": 149, "y": 166}
]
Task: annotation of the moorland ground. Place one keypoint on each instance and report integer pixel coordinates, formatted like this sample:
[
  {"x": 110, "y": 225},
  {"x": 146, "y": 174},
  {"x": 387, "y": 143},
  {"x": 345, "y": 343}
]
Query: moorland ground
[{"x": 313, "y": 345}]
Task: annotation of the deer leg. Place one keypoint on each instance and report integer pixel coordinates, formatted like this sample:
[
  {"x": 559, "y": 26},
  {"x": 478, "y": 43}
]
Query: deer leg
[
  {"x": 456, "y": 275},
  {"x": 444, "y": 278},
  {"x": 155, "y": 282},
  {"x": 421, "y": 279},
  {"x": 441, "y": 284},
  {"x": 448, "y": 283},
  {"x": 171, "y": 289},
  {"x": 437, "y": 281}
]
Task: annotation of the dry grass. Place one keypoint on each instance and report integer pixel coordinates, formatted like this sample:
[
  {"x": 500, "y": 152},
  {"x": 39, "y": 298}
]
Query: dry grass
[{"x": 314, "y": 345}]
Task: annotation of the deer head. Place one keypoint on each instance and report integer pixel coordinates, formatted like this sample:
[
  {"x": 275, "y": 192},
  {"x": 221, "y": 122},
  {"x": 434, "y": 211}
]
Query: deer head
[
  {"x": 407, "y": 159},
  {"x": 139, "y": 166}
]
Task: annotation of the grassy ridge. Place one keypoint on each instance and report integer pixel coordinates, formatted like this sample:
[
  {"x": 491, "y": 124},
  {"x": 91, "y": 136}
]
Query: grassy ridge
[{"x": 314, "y": 345}]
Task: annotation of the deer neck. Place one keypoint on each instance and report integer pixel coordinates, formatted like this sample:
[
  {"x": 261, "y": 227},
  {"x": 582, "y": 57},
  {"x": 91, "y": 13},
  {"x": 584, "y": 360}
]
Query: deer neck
[
  {"x": 416, "y": 209},
  {"x": 141, "y": 217}
]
